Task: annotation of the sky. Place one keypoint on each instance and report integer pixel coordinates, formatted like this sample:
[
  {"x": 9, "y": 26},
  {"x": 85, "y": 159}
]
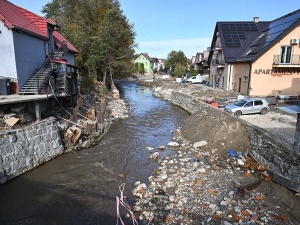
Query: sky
[{"x": 162, "y": 26}]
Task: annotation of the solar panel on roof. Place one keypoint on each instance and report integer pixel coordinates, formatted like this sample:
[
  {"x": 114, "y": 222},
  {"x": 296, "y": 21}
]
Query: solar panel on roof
[
  {"x": 274, "y": 29},
  {"x": 287, "y": 18}
]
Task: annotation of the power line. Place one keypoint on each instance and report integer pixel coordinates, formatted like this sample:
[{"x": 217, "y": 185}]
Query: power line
[{"x": 51, "y": 13}]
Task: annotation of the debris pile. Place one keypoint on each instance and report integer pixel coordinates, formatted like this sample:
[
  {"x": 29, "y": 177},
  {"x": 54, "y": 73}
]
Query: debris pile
[
  {"x": 92, "y": 120},
  {"x": 193, "y": 186}
]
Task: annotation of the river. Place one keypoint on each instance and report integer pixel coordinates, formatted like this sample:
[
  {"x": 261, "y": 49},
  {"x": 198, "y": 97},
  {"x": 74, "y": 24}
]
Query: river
[{"x": 81, "y": 187}]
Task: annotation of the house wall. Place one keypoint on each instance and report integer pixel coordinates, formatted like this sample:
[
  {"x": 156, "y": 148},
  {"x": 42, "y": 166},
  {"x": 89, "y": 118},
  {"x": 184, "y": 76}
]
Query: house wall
[
  {"x": 70, "y": 57},
  {"x": 7, "y": 53},
  {"x": 223, "y": 77},
  {"x": 29, "y": 56},
  {"x": 265, "y": 82},
  {"x": 241, "y": 77},
  {"x": 215, "y": 75},
  {"x": 147, "y": 64}
]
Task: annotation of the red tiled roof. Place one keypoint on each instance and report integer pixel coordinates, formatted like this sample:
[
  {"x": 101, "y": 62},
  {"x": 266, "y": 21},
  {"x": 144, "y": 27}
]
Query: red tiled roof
[
  {"x": 18, "y": 18},
  {"x": 59, "y": 39}
]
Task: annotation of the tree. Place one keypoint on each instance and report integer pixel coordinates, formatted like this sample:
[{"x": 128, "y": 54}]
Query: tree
[
  {"x": 193, "y": 72},
  {"x": 136, "y": 67},
  {"x": 174, "y": 59},
  {"x": 100, "y": 31},
  {"x": 141, "y": 68},
  {"x": 179, "y": 70}
]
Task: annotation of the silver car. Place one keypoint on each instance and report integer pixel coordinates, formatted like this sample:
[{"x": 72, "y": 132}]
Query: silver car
[{"x": 248, "y": 106}]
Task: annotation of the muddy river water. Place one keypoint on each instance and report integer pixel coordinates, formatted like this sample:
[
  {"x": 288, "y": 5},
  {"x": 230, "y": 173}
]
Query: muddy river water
[{"x": 81, "y": 187}]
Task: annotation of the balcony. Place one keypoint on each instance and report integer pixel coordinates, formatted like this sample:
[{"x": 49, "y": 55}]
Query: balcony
[
  {"x": 289, "y": 62},
  {"x": 218, "y": 47},
  {"x": 220, "y": 63}
]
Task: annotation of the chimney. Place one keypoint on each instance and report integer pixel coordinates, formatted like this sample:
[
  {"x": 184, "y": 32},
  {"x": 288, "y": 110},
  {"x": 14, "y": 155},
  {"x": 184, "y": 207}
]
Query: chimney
[{"x": 255, "y": 19}]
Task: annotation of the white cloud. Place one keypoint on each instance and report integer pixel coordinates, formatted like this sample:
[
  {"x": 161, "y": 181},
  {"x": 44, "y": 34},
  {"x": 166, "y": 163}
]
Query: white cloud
[{"x": 161, "y": 49}]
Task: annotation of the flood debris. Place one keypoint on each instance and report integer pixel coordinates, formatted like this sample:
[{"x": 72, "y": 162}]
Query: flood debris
[
  {"x": 11, "y": 121},
  {"x": 193, "y": 186}
]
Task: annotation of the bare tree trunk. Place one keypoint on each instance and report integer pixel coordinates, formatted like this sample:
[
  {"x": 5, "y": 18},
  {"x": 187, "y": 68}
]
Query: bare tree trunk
[
  {"x": 104, "y": 77},
  {"x": 110, "y": 73}
]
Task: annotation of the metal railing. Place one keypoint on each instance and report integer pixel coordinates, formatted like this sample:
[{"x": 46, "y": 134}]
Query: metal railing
[
  {"x": 280, "y": 60},
  {"x": 217, "y": 62}
]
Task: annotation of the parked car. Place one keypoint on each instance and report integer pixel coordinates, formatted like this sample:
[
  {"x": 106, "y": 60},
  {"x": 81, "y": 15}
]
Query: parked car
[
  {"x": 163, "y": 77},
  {"x": 248, "y": 106},
  {"x": 197, "y": 79}
]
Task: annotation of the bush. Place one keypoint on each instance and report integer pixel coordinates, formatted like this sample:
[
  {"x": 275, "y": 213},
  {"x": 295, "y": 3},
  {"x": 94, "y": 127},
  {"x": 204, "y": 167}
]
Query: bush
[
  {"x": 141, "y": 68},
  {"x": 136, "y": 68}
]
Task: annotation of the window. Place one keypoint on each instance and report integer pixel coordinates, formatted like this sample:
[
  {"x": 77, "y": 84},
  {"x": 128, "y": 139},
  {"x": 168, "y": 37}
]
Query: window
[
  {"x": 249, "y": 104},
  {"x": 258, "y": 102},
  {"x": 286, "y": 54}
]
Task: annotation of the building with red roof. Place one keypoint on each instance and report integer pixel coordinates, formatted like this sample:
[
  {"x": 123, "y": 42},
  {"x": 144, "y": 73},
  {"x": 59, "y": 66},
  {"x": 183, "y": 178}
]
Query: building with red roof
[{"x": 29, "y": 45}]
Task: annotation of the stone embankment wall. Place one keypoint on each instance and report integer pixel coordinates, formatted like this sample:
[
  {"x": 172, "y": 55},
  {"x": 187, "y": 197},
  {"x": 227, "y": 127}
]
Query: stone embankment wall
[
  {"x": 24, "y": 149},
  {"x": 281, "y": 158}
]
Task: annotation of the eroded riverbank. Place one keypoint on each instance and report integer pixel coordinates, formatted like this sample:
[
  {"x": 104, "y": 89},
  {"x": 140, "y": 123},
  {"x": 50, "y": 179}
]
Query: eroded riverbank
[{"x": 205, "y": 185}]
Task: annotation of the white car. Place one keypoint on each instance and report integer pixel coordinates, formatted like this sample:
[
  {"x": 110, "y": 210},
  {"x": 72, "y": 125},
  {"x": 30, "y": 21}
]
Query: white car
[
  {"x": 196, "y": 80},
  {"x": 248, "y": 106}
]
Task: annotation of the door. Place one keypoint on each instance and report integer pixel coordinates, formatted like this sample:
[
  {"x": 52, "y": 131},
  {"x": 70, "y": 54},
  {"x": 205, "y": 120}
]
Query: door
[
  {"x": 258, "y": 104},
  {"x": 223, "y": 83},
  {"x": 248, "y": 108},
  {"x": 240, "y": 83}
]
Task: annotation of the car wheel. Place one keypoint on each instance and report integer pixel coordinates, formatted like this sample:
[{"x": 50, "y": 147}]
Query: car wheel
[
  {"x": 238, "y": 113},
  {"x": 263, "y": 111},
  {"x": 190, "y": 82}
]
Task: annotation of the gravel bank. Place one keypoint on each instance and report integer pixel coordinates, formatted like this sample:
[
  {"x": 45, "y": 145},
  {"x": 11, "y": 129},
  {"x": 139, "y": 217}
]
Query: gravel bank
[
  {"x": 199, "y": 185},
  {"x": 195, "y": 187}
]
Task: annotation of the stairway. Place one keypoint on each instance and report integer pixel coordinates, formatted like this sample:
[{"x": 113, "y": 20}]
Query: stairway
[{"x": 38, "y": 81}]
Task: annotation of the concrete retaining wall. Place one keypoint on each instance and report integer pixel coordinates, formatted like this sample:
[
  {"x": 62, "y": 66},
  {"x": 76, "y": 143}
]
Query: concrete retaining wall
[
  {"x": 280, "y": 157},
  {"x": 24, "y": 149}
]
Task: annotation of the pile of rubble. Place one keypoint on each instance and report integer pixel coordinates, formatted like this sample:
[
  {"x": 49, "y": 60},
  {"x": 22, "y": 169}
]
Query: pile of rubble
[
  {"x": 119, "y": 109},
  {"x": 93, "y": 118},
  {"x": 192, "y": 186}
]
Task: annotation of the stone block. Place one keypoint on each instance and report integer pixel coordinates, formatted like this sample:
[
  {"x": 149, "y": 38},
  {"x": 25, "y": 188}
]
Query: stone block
[
  {"x": 41, "y": 159},
  {"x": 22, "y": 163},
  {"x": 40, "y": 132},
  {"x": 18, "y": 147},
  {"x": 31, "y": 142},
  {"x": 2, "y": 171},
  {"x": 46, "y": 157},
  {"x": 47, "y": 147},
  {"x": 24, "y": 153},
  {"x": 22, "y": 136},
  {"x": 37, "y": 140},
  {"x": 3, "y": 150},
  {"x": 54, "y": 135},
  {"x": 25, "y": 144},
  {"x": 53, "y": 128},
  {"x": 42, "y": 148},
  {"x": 10, "y": 148},
  {"x": 29, "y": 162},
  {"x": 54, "y": 144},
  {"x": 14, "y": 166},
  {"x": 29, "y": 134},
  {"x": 47, "y": 137},
  {"x": 6, "y": 139},
  {"x": 13, "y": 138}
]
